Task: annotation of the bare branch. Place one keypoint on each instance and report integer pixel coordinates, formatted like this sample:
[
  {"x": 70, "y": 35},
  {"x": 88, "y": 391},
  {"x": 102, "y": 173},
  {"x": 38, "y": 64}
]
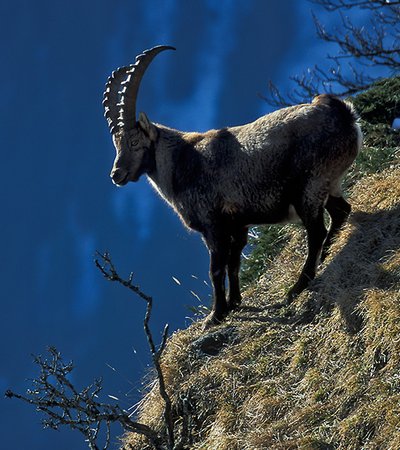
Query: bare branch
[
  {"x": 108, "y": 270},
  {"x": 333, "y": 5},
  {"x": 380, "y": 46},
  {"x": 54, "y": 395},
  {"x": 359, "y": 49}
]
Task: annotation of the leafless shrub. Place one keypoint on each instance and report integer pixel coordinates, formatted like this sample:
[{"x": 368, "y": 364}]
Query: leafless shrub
[
  {"x": 360, "y": 49},
  {"x": 53, "y": 393}
]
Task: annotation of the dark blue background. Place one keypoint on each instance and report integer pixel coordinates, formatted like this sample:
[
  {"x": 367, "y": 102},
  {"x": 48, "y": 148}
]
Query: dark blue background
[{"x": 58, "y": 204}]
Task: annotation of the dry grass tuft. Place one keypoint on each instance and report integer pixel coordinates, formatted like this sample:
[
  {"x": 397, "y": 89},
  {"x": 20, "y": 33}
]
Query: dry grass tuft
[{"x": 332, "y": 383}]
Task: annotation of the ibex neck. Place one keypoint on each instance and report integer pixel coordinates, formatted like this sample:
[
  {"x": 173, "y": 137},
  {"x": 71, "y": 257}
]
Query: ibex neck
[{"x": 168, "y": 145}]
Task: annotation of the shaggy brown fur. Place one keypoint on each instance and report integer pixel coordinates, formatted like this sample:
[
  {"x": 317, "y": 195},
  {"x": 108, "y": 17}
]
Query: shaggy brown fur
[{"x": 285, "y": 165}]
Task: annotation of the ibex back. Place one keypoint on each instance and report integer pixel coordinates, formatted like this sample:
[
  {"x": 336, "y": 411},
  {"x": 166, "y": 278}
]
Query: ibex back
[{"x": 285, "y": 166}]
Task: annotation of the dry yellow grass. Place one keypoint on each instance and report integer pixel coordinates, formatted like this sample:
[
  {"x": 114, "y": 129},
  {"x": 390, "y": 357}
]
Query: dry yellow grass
[{"x": 332, "y": 383}]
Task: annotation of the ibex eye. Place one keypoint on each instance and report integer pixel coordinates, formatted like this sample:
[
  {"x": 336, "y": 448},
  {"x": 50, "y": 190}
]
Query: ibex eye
[{"x": 134, "y": 143}]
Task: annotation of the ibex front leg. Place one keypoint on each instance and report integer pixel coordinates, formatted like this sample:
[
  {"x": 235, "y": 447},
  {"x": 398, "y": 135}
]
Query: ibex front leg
[
  {"x": 239, "y": 240},
  {"x": 218, "y": 246}
]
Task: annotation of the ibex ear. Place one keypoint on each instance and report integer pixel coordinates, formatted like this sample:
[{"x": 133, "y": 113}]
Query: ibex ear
[{"x": 147, "y": 126}]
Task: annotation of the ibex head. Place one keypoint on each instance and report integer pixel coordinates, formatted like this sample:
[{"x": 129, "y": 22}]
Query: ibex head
[{"x": 134, "y": 141}]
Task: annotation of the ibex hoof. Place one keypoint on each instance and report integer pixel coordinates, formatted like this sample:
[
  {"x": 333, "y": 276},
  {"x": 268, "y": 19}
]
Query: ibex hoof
[
  {"x": 287, "y": 302},
  {"x": 210, "y": 321},
  {"x": 234, "y": 304}
]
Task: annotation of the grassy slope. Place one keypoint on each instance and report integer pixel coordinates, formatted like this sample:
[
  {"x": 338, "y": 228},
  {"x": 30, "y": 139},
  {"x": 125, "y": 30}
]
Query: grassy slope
[{"x": 331, "y": 383}]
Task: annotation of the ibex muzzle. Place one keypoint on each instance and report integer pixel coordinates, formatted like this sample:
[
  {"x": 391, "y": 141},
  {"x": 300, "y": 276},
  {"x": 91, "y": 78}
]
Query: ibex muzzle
[{"x": 121, "y": 172}]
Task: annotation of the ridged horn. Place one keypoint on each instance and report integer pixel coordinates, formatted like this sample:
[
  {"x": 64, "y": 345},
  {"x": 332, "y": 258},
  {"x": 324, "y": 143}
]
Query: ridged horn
[
  {"x": 112, "y": 99},
  {"x": 122, "y": 88},
  {"x": 130, "y": 87}
]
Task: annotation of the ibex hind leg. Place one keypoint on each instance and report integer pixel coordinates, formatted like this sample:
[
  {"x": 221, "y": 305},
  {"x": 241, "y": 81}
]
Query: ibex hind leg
[
  {"x": 339, "y": 211},
  {"x": 316, "y": 234}
]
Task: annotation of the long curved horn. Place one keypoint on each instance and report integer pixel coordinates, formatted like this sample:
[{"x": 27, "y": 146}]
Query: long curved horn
[
  {"x": 131, "y": 85},
  {"x": 122, "y": 88}
]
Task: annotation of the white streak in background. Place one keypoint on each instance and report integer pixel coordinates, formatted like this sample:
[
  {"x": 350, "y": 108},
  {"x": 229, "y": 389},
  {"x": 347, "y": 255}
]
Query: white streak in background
[
  {"x": 135, "y": 203},
  {"x": 43, "y": 266},
  {"x": 86, "y": 289},
  {"x": 115, "y": 51},
  {"x": 198, "y": 111},
  {"x": 160, "y": 18},
  {"x": 5, "y": 383}
]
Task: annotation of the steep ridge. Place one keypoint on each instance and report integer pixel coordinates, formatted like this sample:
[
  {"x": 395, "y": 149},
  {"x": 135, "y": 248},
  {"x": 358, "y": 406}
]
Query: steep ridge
[{"x": 324, "y": 373}]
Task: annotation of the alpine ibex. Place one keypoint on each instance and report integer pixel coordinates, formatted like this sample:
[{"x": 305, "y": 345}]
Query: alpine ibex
[{"x": 286, "y": 165}]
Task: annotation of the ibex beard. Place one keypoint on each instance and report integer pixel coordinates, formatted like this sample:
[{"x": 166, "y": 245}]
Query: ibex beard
[{"x": 287, "y": 165}]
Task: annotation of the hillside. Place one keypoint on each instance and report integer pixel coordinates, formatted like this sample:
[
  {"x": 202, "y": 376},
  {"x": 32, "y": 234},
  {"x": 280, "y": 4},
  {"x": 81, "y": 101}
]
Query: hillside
[{"x": 324, "y": 373}]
